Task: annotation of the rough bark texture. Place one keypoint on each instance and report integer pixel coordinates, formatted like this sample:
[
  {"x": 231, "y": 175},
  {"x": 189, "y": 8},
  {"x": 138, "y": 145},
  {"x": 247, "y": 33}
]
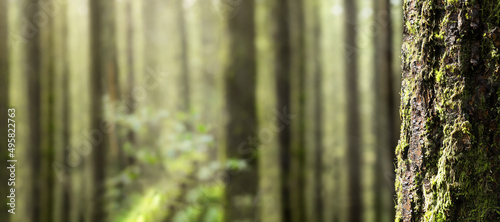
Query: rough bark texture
[
  {"x": 354, "y": 154},
  {"x": 4, "y": 104},
  {"x": 103, "y": 59},
  {"x": 240, "y": 82},
  {"x": 448, "y": 155},
  {"x": 384, "y": 110}
]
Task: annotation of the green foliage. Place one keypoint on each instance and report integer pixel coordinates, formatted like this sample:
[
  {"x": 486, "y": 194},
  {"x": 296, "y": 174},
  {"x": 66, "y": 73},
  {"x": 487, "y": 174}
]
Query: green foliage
[
  {"x": 203, "y": 202},
  {"x": 163, "y": 162}
]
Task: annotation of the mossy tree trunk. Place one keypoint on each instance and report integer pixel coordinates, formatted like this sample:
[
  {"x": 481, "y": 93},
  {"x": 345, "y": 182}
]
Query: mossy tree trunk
[
  {"x": 384, "y": 115},
  {"x": 354, "y": 154},
  {"x": 4, "y": 104},
  {"x": 448, "y": 155},
  {"x": 240, "y": 83},
  {"x": 103, "y": 60}
]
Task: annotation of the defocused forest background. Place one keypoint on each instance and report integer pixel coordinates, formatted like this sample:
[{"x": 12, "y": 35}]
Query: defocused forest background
[{"x": 201, "y": 110}]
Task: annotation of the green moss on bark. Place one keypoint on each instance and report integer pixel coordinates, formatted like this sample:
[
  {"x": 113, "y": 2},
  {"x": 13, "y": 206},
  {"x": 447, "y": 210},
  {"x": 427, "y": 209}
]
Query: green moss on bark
[{"x": 448, "y": 164}]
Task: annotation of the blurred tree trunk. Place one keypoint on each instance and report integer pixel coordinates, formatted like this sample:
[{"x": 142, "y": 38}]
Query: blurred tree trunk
[
  {"x": 354, "y": 154},
  {"x": 210, "y": 41},
  {"x": 184, "y": 58},
  {"x": 33, "y": 77},
  {"x": 288, "y": 38},
  {"x": 448, "y": 155},
  {"x": 66, "y": 123},
  {"x": 48, "y": 106},
  {"x": 318, "y": 110},
  {"x": 130, "y": 79},
  {"x": 240, "y": 83},
  {"x": 103, "y": 60},
  {"x": 153, "y": 11},
  {"x": 114, "y": 93},
  {"x": 117, "y": 160},
  {"x": 4, "y": 105},
  {"x": 61, "y": 133},
  {"x": 384, "y": 111},
  {"x": 298, "y": 96},
  {"x": 282, "y": 58}
]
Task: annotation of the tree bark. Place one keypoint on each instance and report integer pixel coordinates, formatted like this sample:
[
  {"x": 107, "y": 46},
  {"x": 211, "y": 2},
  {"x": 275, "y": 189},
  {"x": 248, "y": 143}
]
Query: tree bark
[
  {"x": 354, "y": 154},
  {"x": 448, "y": 155},
  {"x": 240, "y": 83},
  {"x": 103, "y": 60}
]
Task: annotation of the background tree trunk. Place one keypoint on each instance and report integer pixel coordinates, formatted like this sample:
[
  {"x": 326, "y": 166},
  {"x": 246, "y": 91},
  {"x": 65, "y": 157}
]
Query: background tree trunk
[
  {"x": 131, "y": 103},
  {"x": 240, "y": 83},
  {"x": 4, "y": 105},
  {"x": 33, "y": 77},
  {"x": 103, "y": 60},
  {"x": 48, "y": 110},
  {"x": 318, "y": 110},
  {"x": 211, "y": 40},
  {"x": 282, "y": 66},
  {"x": 448, "y": 166},
  {"x": 154, "y": 42},
  {"x": 298, "y": 97},
  {"x": 184, "y": 58},
  {"x": 66, "y": 121},
  {"x": 384, "y": 110},
  {"x": 354, "y": 154},
  {"x": 65, "y": 111},
  {"x": 318, "y": 149}
]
